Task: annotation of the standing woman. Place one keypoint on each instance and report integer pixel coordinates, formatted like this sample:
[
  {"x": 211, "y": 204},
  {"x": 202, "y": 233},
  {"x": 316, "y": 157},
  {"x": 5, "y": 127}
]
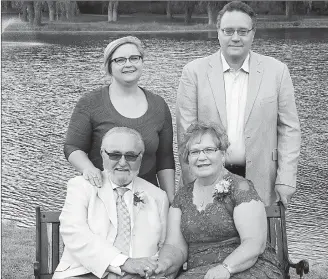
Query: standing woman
[{"x": 122, "y": 103}]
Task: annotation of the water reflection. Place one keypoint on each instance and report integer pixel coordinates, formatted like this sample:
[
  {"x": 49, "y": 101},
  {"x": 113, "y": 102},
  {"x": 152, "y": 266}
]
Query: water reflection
[{"x": 41, "y": 84}]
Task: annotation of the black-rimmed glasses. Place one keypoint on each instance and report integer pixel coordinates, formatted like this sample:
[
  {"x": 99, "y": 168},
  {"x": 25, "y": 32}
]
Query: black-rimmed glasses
[
  {"x": 241, "y": 32},
  {"x": 116, "y": 156},
  {"x": 206, "y": 151},
  {"x": 134, "y": 59}
]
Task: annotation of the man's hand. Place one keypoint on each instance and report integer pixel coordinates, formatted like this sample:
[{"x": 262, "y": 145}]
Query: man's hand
[
  {"x": 217, "y": 272},
  {"x": 284, "y": 193},
  {"x": 93, "y": 175},
  {"x": 141, "y": 266}
]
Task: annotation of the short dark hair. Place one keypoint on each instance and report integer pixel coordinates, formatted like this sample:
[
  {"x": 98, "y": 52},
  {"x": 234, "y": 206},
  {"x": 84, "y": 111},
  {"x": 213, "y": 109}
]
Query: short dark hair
[
  {"x": 237, "y": 6},
  {"x": 198, "y": 129}
]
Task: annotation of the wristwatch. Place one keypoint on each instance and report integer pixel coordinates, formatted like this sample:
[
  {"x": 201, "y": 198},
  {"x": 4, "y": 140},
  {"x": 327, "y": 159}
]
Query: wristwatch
[{"x": 227, "y": 267}]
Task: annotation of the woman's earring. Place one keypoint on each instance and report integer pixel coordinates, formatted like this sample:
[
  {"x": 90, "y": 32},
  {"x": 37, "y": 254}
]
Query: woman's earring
[{"x": 223, "y": 160}]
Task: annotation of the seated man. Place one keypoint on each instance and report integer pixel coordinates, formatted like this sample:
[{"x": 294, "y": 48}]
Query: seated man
[{"x": 116, "y": 229}]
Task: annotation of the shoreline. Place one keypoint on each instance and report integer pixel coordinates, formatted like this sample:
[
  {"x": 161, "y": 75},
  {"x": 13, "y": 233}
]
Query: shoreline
[
  {"x": 148, "y": 23},
  {"x": 182, "y": 31}
]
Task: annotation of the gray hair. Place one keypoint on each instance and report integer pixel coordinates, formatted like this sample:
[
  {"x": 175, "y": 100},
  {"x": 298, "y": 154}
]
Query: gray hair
[
  {"x": 127, "y": 131},
  {"x": 237, "y": 6},
  {"x": 199, "y": 129}
]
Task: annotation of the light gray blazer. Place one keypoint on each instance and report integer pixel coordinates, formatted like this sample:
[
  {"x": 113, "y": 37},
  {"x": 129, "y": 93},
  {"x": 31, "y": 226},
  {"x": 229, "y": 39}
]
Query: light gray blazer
[{"x": 272, "y": 130}]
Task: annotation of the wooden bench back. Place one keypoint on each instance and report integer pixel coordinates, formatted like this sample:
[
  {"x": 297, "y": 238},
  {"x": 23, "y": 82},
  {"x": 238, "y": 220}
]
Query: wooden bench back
[{"x": 48, "y": 245}]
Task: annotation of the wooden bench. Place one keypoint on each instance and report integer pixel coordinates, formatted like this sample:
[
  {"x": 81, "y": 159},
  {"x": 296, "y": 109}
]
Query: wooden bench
[{"x": 48, "y": 246}]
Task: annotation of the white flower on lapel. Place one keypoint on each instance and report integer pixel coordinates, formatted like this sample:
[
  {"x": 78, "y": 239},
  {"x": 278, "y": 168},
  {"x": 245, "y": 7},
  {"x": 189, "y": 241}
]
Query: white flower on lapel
[
  {"x": 222, "y": 189},
  {"x": 139, "y": 199}
]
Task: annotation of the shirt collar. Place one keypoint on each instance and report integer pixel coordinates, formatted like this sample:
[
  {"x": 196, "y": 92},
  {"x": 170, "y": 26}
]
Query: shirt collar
[
  {"x": 226, "y": 66},
  {"x": 129, "y": 186}
]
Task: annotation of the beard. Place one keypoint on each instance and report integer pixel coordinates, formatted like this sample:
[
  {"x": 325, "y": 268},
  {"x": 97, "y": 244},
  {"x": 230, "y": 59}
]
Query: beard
[{"x": 122, "y": 179}]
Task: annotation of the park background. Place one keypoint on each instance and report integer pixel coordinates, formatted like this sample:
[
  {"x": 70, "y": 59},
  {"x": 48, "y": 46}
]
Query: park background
[{"x": 52, "y": 54}]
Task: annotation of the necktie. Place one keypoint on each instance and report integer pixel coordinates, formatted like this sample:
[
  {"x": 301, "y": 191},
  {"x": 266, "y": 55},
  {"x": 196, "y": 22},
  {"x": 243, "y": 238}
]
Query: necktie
[{"x": 122, "y": 240}]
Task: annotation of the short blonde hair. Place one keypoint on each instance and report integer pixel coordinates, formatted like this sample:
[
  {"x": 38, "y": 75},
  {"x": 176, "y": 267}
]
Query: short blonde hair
[{"x": 197, "y": 130}]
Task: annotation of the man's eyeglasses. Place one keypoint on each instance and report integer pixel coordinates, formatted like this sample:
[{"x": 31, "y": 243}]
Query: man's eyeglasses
[
  {"x": 134, "y": 59},
  {"x": 241, "y": 32},
  {"x": 206, "y": 151},
  {"x": 116, "y": 156}
]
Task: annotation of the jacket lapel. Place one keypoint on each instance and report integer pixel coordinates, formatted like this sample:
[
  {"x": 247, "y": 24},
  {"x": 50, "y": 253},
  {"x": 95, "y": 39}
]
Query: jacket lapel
[
  {"x": 255, "y": 79},
  {"x": 215, "y": 77},
  {"x": 106, "y": 194},
  {"x": 136, "y": 188}
]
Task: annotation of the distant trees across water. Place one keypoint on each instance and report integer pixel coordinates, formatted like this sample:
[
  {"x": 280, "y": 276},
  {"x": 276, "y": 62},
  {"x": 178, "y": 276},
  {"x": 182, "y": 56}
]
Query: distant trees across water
[{"x": 32, "y": 11}]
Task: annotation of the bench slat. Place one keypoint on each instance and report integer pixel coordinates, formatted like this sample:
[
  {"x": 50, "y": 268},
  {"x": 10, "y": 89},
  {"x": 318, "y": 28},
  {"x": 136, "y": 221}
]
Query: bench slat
[
  {"x": 44, "y": 255},
  {"x": 55, "y": 246},
  {"x": 273, "y": 211},
  {"x": 50, "y": 217}
]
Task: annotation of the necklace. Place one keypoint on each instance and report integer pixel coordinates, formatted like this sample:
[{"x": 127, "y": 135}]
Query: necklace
[{"x": 203, "y": 195}]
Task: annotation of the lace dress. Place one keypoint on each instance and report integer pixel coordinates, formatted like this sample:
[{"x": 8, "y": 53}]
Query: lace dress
[{"x": 211, "y": 234}]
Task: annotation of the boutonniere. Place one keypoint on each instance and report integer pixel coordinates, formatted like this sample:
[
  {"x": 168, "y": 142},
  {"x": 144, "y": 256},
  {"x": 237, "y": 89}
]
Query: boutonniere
[
  {"x": 222, "y": 189},
  {"x": 139, "y": 198}
]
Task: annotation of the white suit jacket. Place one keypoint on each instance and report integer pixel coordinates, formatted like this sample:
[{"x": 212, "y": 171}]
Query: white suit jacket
[
  {"x": 272, "y": 130},
  {"x": 88, "y": 226}
]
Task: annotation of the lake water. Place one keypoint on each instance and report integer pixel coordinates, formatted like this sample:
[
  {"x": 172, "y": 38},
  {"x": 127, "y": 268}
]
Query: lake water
[{"x": 43, "y": 76}]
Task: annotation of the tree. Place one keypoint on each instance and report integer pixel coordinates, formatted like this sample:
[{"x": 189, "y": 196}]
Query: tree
[
  {"x": 169, "y": 14},
  {"x": 189, "y": 8},
  {"x": 211, "y": 12},
  {"x": 112, "y": 10},
  {"x": 24, "y": 11},
  {"x": 289, "y": 9},
  {"x": 37, "y": 13},
  {"x": 30, "y": 11},
  {"x": 213, "y": 8},
  {"x": 52, "y": 10},
  {"x": 308, "y": 6}
]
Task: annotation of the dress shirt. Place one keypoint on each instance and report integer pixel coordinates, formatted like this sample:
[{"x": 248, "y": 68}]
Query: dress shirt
[
  {"x": 236, "y": 87},
  {"x": 120, "y": 259}
]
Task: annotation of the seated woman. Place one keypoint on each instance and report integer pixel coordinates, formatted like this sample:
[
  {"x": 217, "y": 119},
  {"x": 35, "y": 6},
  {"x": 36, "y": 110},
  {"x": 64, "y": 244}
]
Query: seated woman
[
  {"x": 218, "y": 222},
  {"x": 122, "y": 103}
]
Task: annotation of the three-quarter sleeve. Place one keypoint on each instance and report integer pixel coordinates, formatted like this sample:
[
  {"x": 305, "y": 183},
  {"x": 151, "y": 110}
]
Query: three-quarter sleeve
[
  {"x": 79, "y": 132},
  {"x": 164, "y": 154}
]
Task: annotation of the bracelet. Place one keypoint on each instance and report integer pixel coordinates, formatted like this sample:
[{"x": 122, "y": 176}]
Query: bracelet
[{"x": 227, "y": 267}]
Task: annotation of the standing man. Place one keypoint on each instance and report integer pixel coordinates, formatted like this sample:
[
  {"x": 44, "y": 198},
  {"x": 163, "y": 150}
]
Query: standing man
[
  {"x": 115, "y": 230},
  {"x": 252, "y": 97}
]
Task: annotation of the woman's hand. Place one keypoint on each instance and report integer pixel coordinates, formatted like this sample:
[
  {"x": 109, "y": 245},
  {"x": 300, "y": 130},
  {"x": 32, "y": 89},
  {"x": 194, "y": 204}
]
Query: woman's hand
[
  {"x": 142, "y": 266},
  {"x": 217, "y": 272},
  {"x": 93, "y": 175},
  {"x": 162, "y": 267}
]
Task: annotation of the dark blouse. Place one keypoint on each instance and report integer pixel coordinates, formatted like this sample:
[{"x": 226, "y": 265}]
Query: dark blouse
[{"x": 94, "y": 115}]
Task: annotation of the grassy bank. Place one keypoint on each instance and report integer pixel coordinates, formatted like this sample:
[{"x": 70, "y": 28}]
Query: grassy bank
[
  {"x": 18, "y": 251},
  {"x": 18, "y": 255},
  {"x": 154, "y": 23}
]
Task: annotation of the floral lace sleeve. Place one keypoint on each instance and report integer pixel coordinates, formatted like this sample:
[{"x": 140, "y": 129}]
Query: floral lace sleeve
[{"x": 243, "y": 191}]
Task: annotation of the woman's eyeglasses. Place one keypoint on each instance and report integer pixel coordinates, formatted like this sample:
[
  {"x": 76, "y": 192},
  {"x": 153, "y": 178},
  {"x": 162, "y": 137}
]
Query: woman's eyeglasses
[
  {"x": 134, "y": 59},
  {"x": 116, "y": 156},
  {"x": 206, "y": 151},
  {"x": 241, "y": 32}
]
